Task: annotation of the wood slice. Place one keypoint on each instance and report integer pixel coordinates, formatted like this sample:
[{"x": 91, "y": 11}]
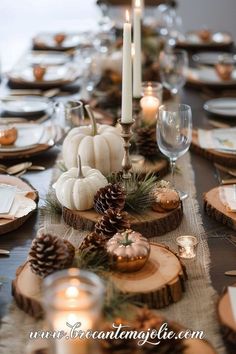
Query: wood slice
[
  {"x": 159, "y": 283},
  {"x": 225, "y": 316},
  {"x": 26, "y": 289},
  {"x": 212, "y": 155},
  {"x": 7, "y": 225},
  {"x": 216, "y": 209},
  {"x": 159, "y": 167},
  {"x": 150, "y": 223}
]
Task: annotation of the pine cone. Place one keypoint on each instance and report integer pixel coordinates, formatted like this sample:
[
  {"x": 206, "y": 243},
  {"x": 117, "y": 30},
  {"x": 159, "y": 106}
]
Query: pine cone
[
  {"x": 94, "y": 242},
  {"x": 146, "y": 141},
  {"x": 112, "y": 222},
  {"x": 50, "y": 253},
  {"x": 111, "y": 196}
]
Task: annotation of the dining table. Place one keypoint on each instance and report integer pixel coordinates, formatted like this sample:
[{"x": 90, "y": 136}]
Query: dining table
[{"x": 218, "y": 236}]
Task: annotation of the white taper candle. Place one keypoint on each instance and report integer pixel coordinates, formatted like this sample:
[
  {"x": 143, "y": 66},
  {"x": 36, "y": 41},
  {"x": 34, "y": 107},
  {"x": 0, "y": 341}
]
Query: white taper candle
[
  {"x": 137, "y": 63},
  {"x": 126, "y": 111}
]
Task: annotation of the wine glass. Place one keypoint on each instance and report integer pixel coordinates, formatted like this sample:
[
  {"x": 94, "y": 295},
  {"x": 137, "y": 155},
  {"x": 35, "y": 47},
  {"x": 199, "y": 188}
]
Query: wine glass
[
  {"x": 174, "y": 134},
  {"x": 173, "y": 65}
]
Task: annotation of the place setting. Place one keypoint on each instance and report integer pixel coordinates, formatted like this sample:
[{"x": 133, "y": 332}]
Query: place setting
[
  {"x": 205, "y": 38},
  {"x": 39, "y": 76},
  {"x": 60, "y": 41}
]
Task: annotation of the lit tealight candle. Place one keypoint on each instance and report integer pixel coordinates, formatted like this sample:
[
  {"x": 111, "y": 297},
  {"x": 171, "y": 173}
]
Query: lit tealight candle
[
  {"x": 149, "y": 105},
  {"x": 72, "y": 300},
  {"x": 187, "y": 246}
]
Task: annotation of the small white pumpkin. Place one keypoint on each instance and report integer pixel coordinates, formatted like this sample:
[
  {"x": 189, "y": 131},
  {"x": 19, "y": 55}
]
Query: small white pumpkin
[
  {"x": 99, "y": 146},
  {"x": 76, "y": 188}
]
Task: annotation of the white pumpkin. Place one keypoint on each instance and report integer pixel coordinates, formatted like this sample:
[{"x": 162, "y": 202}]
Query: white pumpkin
[
  {"x": 100, "y": 146},
  {"x": 76, "y": 188}
]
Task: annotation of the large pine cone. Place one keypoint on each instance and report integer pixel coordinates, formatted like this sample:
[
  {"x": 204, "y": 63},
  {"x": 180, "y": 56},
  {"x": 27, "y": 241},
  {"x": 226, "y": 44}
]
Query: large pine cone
[
  {"x": 146, "y": 141},
  {"x": 112, "y": 222},
  {"x": 111, "y": 196},
  {"x": 93, "y": 242},
  {"x": 49, "y": 253}
]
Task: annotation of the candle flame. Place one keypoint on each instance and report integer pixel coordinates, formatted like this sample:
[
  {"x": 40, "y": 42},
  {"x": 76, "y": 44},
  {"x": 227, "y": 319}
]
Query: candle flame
[
  {"x": 72, "y": 292},
  {"x": 127, "y": 16},
  {"x": 138, "y": 3}
]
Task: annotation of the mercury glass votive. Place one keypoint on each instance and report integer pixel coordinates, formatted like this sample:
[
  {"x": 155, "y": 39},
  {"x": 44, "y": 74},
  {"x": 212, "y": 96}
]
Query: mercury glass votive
[
  {"x": 72, "y": 301},
  {"x": 187, "y": 246}
]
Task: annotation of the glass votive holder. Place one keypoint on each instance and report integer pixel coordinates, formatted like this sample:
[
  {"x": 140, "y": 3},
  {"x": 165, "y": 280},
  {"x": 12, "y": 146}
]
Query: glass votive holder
[
  {"x": 72, "y": 301},
  {"x": 74, "y": 113},
  {"x": 187, "y": 246},
  {"x": 152, "y": 88}
]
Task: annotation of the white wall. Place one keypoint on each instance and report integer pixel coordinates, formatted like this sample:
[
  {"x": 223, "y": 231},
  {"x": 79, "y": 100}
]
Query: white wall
[
  {"x": 21, "y": 19},
  {"x": 216, "y": 14}
]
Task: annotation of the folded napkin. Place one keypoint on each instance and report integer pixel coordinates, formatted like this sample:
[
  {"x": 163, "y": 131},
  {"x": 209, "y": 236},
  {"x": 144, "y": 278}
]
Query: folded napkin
[
  {"x": 21, "y": 203},
  {"x": 228, "y": 197},
  {"x": 232, "y": 297},
  {"x": 218, "y": 139}
]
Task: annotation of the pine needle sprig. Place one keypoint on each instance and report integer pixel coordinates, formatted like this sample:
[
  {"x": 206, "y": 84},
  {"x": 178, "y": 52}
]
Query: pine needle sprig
[
  {"x": 51, "y": 204},
  {"x": 94, "y": 261}
]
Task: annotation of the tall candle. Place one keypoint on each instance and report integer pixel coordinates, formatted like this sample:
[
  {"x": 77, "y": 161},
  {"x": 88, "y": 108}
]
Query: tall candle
[
  {"x": 126, "y": 110},
  {"x": 137, "y": 64}
]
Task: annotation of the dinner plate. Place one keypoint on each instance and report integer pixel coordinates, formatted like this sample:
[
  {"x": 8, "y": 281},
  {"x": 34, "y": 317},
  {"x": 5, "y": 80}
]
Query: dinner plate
[
  {"x": 223, "y": 107},
  {"x": 46, "y": 40},
  {"x": 24, "y": 106},
  {"x": 46, "y": 58},
  {"x": 208, "y": 76},
  {"x": 28, "y": 136},
  {"x": 50, "y": 136},
  {"x": 212, "y": 58},
  {"x": 57, "y": 75},
  {"x": 7, "y": 225},
  {"x": 218, "y": 39}
]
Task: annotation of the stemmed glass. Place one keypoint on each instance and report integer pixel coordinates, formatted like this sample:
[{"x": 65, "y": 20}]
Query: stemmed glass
[
  {"x": 173, "y": 65},
  {"x": 174, "y": 134}
]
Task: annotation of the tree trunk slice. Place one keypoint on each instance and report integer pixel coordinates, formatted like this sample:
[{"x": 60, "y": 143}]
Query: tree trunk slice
[
  {"x": 212, "y": 155},
  {"x": 214, "y": 208},
  {"x": 226, "y": 319},
  {"x": 159, "y": 283},
  {"x": 159, "y": 167},
  {"x": 7, "y": 225},
  {"x": 150, "y": 223},
  {"x": 26, "y": 289}
]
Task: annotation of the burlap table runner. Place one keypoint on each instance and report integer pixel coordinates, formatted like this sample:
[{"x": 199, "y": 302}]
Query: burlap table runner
[{"x": 197, "y": 308}]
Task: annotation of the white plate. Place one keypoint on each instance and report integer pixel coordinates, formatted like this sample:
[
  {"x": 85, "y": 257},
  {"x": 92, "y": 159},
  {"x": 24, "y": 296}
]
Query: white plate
[
  {"x": 47, "y": 39},
  {"x": 208, "y": 75},
  {"x": 47, "y": 58},
  {"x": 24, "y": 106},
  {"x": 225, "y": 107},
  {"x": 29, "y": 135},
  {"x": 217, "y": 39},
  {"x": 53, "y": 73},
  {"x": 212, "y": 58}
]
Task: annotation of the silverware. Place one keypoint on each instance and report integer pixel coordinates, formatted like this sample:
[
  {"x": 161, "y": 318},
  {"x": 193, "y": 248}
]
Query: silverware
[
  {"x": 36, "y": 168},
  {"x": 15, "y": 169},
  {"x": 231, "y": 172},
  {"x": 4, "y": 252},
  {"x": 231, "y": 273},
  {"x": 228, "y": 181}
]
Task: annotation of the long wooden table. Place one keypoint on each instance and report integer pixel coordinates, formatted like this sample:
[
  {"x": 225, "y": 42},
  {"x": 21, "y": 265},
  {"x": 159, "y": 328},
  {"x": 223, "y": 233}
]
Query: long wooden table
[{"x": 223, "y": 252}]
